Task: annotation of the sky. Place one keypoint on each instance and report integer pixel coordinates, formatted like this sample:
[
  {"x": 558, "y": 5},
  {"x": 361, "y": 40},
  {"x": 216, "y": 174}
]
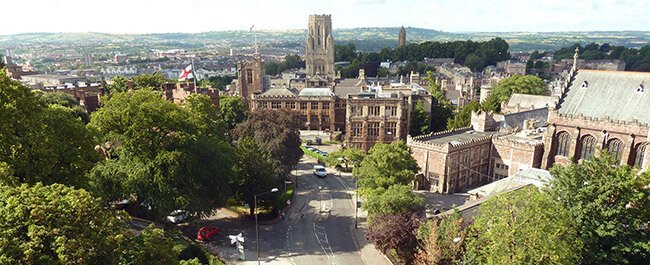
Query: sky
[{"x": 190, "y": 16}]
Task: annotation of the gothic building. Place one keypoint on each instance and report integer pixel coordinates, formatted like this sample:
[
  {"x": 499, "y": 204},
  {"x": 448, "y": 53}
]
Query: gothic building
[
  {"x": 250, "y": 79},
  {"x": 401, "y": 42},
  {"x": 319, "y": 55}
]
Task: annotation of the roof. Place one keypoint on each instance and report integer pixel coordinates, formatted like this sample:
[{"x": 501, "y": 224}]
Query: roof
[
  {"x": 516, "y": 120},
  {"x": 610, "y": 94},
  {"x": 458, "y": 137},
  {"x": 527, "y": 101},
  {"x": 316, "y": 92},
  {"x": 279, "y": 92}
]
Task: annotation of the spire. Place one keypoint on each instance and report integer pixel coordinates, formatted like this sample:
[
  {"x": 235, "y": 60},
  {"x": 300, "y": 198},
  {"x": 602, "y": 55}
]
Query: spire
[{"x": 575, "y": 59}]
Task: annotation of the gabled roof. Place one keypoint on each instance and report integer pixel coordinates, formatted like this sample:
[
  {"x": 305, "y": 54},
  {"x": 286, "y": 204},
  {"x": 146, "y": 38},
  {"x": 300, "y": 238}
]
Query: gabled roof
[{"x": 612, "y": 94}]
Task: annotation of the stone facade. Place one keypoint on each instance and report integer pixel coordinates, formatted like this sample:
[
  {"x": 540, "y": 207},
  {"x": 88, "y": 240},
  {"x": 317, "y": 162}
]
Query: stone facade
[
  {"x": 371, "y": 119},
  {"x": 401, "y": 42},
  {"x": 319, "y": 54},
  {"x": 250, "y": 75},
  {"x": 179, "y": 92}
]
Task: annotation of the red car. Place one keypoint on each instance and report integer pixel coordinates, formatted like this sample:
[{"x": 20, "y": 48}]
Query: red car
[{"x": 206, "y": 232}]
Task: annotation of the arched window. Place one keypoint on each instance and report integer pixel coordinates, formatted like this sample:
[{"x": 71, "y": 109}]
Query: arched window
[
  {"x": 563, "y": 143},
  {"x": 639, "y": 155},
  {"x": 588, "y": 146},
  {"x": 615, "y": 147}
]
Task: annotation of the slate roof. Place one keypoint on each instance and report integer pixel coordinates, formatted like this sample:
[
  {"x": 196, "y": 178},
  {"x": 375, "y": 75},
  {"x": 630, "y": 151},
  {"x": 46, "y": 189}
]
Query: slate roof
[
  {"x": 316, "y": 92},
  {"x": 526, "y": 101},
  {"x": 608, "y": 93},
  {"x": 279, "y": 92}
]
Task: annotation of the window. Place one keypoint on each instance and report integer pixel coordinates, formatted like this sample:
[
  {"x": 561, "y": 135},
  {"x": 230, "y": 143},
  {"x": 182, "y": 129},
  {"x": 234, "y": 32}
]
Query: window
[
  {"x": 275, "y": 104},
  {"x": 314, "y": 120},
  {"x": 373, "y": 111},
  {"x": 356, "y": 128},
  {"x": 291, "y": 105},
  {"x": 326, "y": 120},
  {"x": 314, "y": 105},
  {"x": 303, "y": 118},
  {"x": 356, "y": 111},
  {"x": 563, "y": 143},
  {"x": 391, "y": 111},
  {"x": 249, "y": 76},
  {"x": 391, "y": 129},
  {"x": 615, "y": 147},
  {"x": 326, "y": 105},
  {"x": 303, "y": 105},
  {"x": 588, "y": 146},
  {"x": 639, "y": 155},
  {"x": 373, "y": 129}
]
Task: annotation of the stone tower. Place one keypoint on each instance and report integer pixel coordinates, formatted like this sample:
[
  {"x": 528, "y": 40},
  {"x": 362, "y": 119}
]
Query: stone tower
[
  {"x": 319, "y": 55},
  {"x": 249, "y": 78},
  {"x": 401, "y": 42}
]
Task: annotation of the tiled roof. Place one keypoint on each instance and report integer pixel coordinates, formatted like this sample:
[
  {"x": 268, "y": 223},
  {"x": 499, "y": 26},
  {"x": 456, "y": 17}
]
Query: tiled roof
[{"x": 599, "y": 94}]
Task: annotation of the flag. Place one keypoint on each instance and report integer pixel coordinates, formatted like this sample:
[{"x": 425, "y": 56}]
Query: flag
[{"x": 186, "y": 74}]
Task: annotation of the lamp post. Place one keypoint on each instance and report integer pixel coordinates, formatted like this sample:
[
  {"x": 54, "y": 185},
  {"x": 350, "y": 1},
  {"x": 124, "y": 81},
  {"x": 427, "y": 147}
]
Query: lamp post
[{"x": 257, "y": 229}]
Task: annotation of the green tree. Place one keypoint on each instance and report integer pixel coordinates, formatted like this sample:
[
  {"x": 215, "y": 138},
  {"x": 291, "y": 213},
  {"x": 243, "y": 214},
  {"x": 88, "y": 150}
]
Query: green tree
[
  {"x": 118, "y": 84},
  {"x": 419, "y": 120},
  {"x": 163, "y": 154},
  {"x": 41, "y": 143},
  {"x": 463, "y": 117},
  {"x": 394, "y": 200},
  {"x": 277, "y": 132},
  {"x": 345, "y": 53},
  {"x": 154, "y": 81},
  {"x": 386, "y": 165},
  {"x": 611, "y": 207},
  {"x": 151, "y": 247},
  {"x": 348, "y": 156},
  {"x": 442, "y": 241},
  {"x": 57, "y": 225},
  {"x": 474, "y": 62},
  {"x": 233, "y": 110},
  {"x": 441, "y": 109},
  {"x": 522, "y": 84},
  {"x": 523, "y": 227},
  {"x": 68, "y": 101},
  {"x": 255, "y": 173},
  {"x": 220, "y": 82}
]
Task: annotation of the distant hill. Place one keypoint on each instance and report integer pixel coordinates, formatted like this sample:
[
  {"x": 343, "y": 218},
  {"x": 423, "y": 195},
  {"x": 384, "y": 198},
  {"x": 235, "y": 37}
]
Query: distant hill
[{"x": 368, "y": 39}]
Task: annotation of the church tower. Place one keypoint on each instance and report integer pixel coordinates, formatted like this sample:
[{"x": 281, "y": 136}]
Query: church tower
[
  {"x": 401, "y": 42},
  {"x": 319, "y": 55}
]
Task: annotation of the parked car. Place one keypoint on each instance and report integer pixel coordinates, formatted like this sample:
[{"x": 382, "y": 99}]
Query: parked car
[
  {"x": 319, "y": 171},
  {"x": 207, "y": 232},
  {"x": 178, "y": 216}
]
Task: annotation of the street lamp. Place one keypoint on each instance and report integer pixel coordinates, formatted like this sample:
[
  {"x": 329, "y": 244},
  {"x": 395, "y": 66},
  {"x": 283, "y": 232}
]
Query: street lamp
[{"x": 257, "y": 229}]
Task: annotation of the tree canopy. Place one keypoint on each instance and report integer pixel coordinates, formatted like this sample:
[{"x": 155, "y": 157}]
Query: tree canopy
[
  {"x": 277, "y": 132},
  {"x": 395, "y": 232},
  {"x": 394, "y": 200},
  {"x": 169, "y": 156},
  {"x": 611, "y": 207},
  {"x": 233, "y": 111},
  {"x": 523, "y": 227},
  {"x": 68, "y": 101},
  {"x": 522, "y": 84},
  {"x": 635, "y": 59},
  {"x": 441, "y": 109},
  {"x": 419, "y": 120},
  {"x": 386, "y": 165},
  {"x": 41, "y": 143},
  {"x": 442, "y": 241},
  {"x": 463, "y": 117},
  {"x": 291, "y": 61}
]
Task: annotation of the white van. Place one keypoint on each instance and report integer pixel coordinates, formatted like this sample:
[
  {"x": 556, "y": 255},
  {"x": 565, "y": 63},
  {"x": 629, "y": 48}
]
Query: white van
[{"x": 319, "y": 171}]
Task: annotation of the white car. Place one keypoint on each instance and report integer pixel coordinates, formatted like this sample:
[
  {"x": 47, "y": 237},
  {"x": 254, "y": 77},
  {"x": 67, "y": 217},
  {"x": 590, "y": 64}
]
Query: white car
[
  {"x": 319, "y": 171},
  {"x": 177, "y": 216}
]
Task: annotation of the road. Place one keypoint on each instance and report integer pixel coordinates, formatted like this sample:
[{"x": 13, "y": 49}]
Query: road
[{"x": 317, "y": 228}]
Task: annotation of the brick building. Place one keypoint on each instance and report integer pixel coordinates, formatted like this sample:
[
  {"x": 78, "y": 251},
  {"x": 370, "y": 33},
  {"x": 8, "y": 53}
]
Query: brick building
[
  {"x": 177, "y": 93},
  {"x": 376, "y": 118},
  {"x": 600, "y": 110},
  {"x": 250, "y": 75}
]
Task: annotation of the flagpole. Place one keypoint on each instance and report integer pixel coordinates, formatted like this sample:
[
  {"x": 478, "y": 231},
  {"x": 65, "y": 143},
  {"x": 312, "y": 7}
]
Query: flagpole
[{"x": 194, "y": 76}]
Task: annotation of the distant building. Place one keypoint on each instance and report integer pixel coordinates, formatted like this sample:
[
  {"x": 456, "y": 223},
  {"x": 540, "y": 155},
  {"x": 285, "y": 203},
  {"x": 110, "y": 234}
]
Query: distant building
[
  {"x": 88, "y": 59},
  {"x": 177, "y": 93},
  {"x": 401, "y": 42},
  {"x": 250, "y": 79},
  {"x": 45, "y": 80},
  {"x": 319, "y": 54},
  {"x": 512, "y": 67},
  {"x": 120, "y": 58}
]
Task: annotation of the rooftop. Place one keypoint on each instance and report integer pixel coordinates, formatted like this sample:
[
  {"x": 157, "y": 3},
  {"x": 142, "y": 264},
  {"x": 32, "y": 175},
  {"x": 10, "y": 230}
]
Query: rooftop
[
  {"x": 457, "y": 137},
  {"x": 527, "y": 101},
  {"x": 316, "y": 92},
  {"x": 621, "y": 96}
]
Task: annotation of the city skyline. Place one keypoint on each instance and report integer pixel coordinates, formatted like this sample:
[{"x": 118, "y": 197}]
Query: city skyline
[{"x": 135, "y": 17}]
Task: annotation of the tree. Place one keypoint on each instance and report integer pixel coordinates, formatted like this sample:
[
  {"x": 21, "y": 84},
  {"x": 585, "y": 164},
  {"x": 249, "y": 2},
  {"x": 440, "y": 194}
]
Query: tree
[
  {"x": 349, "y": 156},
  {"x": 41, "y": 143},
  {"x": 277, "y": 132},
  {"x": 523, "y": 227},
  {"x": 233, "y": 110},
  {"x": 68, "y": 101},
  {"x": 220, "y": 82},
  {"x": 154, "y": 81},
  {"x": 255, "y": 173},
  {"x": 474, "y": 62},
  {"x": 419, "y": 120},
  {"x": 394, "y": 200},
  {"x": 463, "y": 117},
  {"x": 610, "y": 206},
  {"x": 118, "y": 84},
  {"x": 151, "y": 247},
  {"x": 522, "y": 84},
  {"x": 441, "y": 109},
  {"x": 169, "y": 156},
  {"x": 395, "y": 232},
  {"x": 386, "y": 165},
  {"x": 57, "y": 225},
  {"x": 442, "y": 241},
  {"x": 345, "y": 53}
]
